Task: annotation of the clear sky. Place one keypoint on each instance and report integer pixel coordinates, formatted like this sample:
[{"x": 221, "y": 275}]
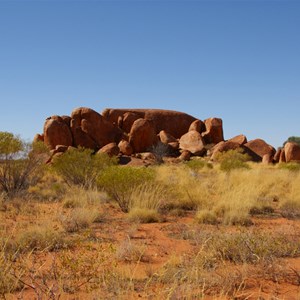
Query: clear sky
[{"x": 237, "y": 60}]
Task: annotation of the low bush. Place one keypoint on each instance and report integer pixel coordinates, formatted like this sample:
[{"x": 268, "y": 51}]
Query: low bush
[
  {"x": 41, "y": 238},
  {"x": 144, "y": 215},
  {"x": 291, "y": 166},
  {"x": 232, "y": 159},
  {"x": 79, "y": 218},
  {"x": 198, "y": 164},
  {"x": 79, "y": 166},
  {"x": 206, "y": 217},
  {"x": 120, "y": 183}
]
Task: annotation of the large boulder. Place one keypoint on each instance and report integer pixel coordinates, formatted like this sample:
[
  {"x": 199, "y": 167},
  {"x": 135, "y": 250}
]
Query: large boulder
[
  {"x": 240, "y": 139},
  {"x": 292, "y": 152},
  {"x": 142, "y": 135},
  {"x": 197, "y": 125},
  {"x": 174, "y": 122},
  {"x": 57, "y": 132},
  {"x": 214, "y": 131},
  {"x": 91, "y": 130},
  {"x": 258, "y": 148},
  {"x": 110, "y": 149},
  {"x": 166, "y": 138},
  {"x": 224, "y": 146},
  {"x": 125, "y": 147},
  {"x": 277, "y": 155},
  {"x": 128, "y": 120},
  {"x": 193, "y": 142}
]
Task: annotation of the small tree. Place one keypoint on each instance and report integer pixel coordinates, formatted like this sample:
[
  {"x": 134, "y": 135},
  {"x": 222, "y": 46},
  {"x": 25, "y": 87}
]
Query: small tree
[
  {"x": 79, "y": 166},
  {"x": 18, "y": 163}
]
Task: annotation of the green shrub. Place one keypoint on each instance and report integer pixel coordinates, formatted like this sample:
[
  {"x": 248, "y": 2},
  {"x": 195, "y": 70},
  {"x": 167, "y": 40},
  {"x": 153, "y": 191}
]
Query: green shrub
[
  {"x": 120, "y": 182},
  {"x": 81, "y": 167},
  {"x": 198, "y": 164},
  {"x": 19, "y": 162},
  {"x": 232, "y": 159},
  {"x": 291, "y": 166}
]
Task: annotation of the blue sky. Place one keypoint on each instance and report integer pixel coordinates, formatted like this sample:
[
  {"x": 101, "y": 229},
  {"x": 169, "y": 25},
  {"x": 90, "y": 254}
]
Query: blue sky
[{"x": 237, "y": 60}]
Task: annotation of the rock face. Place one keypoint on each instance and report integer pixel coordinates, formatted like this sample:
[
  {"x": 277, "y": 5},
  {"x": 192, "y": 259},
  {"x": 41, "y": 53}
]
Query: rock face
[
  {"x": 259, "y": 148},
  {"x": 214, "y": 131},
  {"x": 193, "y": 142},
  {"x": 142, "y": 135},
  {"x": 91, "y": 130},
  {"x": 110, "y": 149},
  {"x": 174, "y": 122},
  {"x": 292, "y": 152},
  {"x": 57, "y": 132}
]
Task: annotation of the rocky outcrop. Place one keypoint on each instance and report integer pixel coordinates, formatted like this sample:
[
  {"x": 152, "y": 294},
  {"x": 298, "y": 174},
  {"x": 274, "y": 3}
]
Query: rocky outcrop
[
  {"x": 57, "y": 132},
  {"x": 174, "y": 122},
  {"x": 91, "y": 130},
  {"x": 193, "y": 142},
  {"x": 142, "y": 135},
  {"x": 127, "y": 132}
]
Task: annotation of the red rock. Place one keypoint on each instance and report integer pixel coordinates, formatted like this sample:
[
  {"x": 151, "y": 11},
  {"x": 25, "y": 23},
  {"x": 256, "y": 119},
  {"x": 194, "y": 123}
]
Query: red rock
[
  {"x": 174, "y": 122},
  {"x": 214, "y": 131},
  {"x": 282, "y": 156},
  {"x": 166, "y": 138},
  {"x": 240, "y": 139},
  {"x": 174, "y": 145},
  {"x": 267, "y": 159},
  {"x": 259, "y": 148},
  {"x": 38, "y": 138},
  {"x": 93, "y": 127},
  {"x": 292, "y": 152},
  {"x": 193, "y": 142},
  {"x": 128, "y": 120},
  {"x": 110, "y": 149},
  {"x": 125, "y": 147},
  {"x": 56, "y": 132},
  {"x": 142, "y": 135},
  {"x": 185, "y": 155},
  {"x": 222, "y": 147},
  {"x": 277, "y": 155},
  {"x": 197, "y": 125}
]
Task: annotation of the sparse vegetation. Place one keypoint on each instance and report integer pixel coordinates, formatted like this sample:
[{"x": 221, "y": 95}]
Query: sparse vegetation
[
  {"x": 72, "y": 239},
  {"x": 81, "y": 167}
]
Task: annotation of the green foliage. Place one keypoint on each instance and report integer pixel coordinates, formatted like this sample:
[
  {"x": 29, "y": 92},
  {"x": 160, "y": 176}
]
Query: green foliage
[
  {"x": 81, "y": 167},
  {"x": 120, "y": 182},
  {"x": 293, "y": 139},
  {"x": 232, "y": 159},
  {"x": 18, "y": 163},
  {"x": 198, "y": 164},
  {"x": 291, "y": 166}
]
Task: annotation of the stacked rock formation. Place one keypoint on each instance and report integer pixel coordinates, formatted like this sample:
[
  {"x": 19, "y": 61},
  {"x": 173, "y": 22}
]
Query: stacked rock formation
[{"x": 127, "y": 132}]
